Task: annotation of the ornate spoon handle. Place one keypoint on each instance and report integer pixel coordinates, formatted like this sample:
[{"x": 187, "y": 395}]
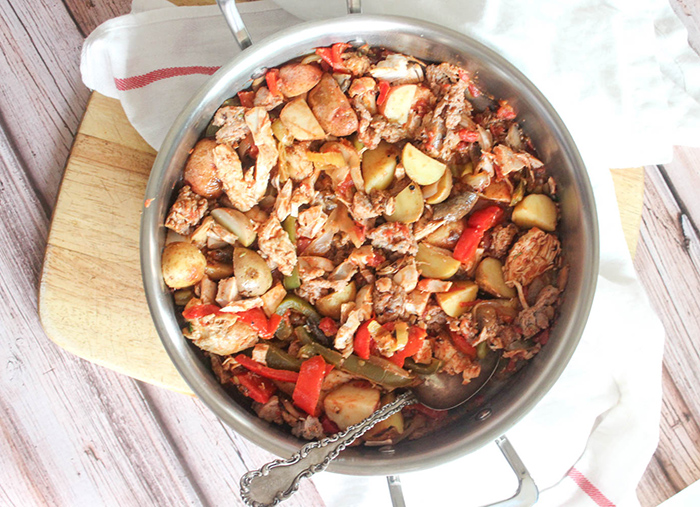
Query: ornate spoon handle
[{"x": 278, "y": 480}]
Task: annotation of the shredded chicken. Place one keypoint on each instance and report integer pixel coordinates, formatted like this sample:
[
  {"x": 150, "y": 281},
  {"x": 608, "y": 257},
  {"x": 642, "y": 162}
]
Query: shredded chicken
[
  {"x": 453, "y": 361},
  {"x": 394, "y": 236},
  {"x": 222, "y": 334},
  {"x": 246, "y": 190},
  {"x": 310, "y": 222},
  {"x": 533, "y": 254},
  {"x": 276, "y": 247},
  {"x": 234, "y": 128},
  {"x": 532, "y": 320},
  {"x": 186, "y": 212}
]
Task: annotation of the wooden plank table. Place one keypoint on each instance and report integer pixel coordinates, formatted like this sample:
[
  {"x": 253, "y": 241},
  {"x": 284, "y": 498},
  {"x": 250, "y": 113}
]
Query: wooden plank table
[{"x": 74, "y": 433}]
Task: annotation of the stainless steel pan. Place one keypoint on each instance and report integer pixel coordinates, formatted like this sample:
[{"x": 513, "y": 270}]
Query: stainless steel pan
[{"x": 508, "y": 403}]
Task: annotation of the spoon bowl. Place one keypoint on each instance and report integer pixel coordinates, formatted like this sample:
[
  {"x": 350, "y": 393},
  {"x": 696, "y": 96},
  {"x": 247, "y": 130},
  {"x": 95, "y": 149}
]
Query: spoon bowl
[{"x": 279, "y": 479}]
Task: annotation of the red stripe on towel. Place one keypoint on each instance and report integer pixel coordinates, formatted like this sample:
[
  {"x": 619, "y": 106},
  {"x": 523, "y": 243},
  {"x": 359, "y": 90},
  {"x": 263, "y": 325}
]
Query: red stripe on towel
[
  {"x": 131, "y": 83},
  {"x": 588, "y": 488}
]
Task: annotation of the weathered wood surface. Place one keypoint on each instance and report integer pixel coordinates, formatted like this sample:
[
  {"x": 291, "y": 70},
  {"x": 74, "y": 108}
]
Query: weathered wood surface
[{"x": 73, "y": 433}]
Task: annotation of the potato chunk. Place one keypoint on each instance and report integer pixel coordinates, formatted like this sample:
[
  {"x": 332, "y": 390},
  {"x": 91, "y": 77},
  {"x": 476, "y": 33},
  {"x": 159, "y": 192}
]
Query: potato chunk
[
  {"x": 536, "y": 210},
  {"x": 350, "y": 404},
  {"x": 182, "y": 264},
  {"x": 489, "y": 277},
  {"x": 378, "y": 166},
  {"x": 300, "y": 121},
  {"x": 330, "y": 304},
  {"x": 421, "y": 168},
  {"x": 409, "y": 205},
  {"x": 453, "y": 302},
  {"x": 434, "y": 262}
]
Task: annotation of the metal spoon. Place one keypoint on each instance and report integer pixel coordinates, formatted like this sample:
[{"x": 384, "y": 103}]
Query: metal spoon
[{"x": 279, "y": 479}]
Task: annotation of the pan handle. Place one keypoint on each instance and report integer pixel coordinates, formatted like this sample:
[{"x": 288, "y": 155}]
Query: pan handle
[
  {"x": 354, "y": 6},
  {"x": 527, "y": 493},
  {"x": 235, "y": 23}
]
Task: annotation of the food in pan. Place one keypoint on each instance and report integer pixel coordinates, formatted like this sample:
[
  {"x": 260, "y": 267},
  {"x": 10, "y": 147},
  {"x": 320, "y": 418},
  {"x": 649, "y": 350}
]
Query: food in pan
[{"x": 355, "y": 220}]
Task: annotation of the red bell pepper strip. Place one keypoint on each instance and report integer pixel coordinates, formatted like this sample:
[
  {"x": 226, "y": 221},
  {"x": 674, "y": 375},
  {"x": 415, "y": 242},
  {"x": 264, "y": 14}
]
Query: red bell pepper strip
[
  {"x": 308, "y": 389},
  {"x": 246, "y": 98},
  {"x": 254, "y": 386},
  {"x": 362, "y": 341},
  {"x": 468, "y": 136},
  {"x": 461, "y": 344},
  {"x": 333, "y": 55},
  {"x": 199, "y": 311},
  {"x": 271, "y": 77},
  {"x": 384, "y": 88},
  {"x": 416, "y": 337},
  {"x": 256, "y": 318},
  {"x": 265, "y": 371},
  {"x": 328, "y": 326},
  {"x": 477, "y": 224}
]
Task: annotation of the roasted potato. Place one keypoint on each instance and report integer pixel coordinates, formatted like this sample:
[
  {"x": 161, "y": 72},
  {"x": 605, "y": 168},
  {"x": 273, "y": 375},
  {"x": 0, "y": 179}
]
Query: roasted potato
[
  {"x": 253, "y": 275},
  {"x": 394, "y": 423},
  {"x": 421, "y": 168},
  {"x": 379, "y": 165},
  {"x": 447, "y": 235},
  {"x": 297, "y": 117},
  {"x": 182, "y": 265},
  {"x": 536, "y": 210},
  {"x": 489, "y": 277},
  {"x": 409, "y": 205},
  {"x": 440, "y": 190},
  {"x": 237, "y": 223},
  {"x": 351, "y": 403},
  {"x": 200, "y": 171},
  {"x": 398, "y": 103},
  {"x": 453, "y": 301},
  {"x": 329, "y": 305},
  {"x": 434, "y": 262}
]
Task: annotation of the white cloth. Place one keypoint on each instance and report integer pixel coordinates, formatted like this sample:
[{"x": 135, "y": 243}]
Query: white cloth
[{"x": 622, "y": 78}]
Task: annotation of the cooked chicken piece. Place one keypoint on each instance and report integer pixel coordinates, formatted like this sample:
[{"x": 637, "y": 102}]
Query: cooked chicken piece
[
  {"x": 234, "y": 128},
  {"x": 453, "y": 361},
  {"x": 407, "y": 276},
  {"x": 416, "y": 302},
  {"x": 499, "y": 240},
  {"x": 533, "y": 254},
  {"x": 425, "y": 354},
  {"x": 365, "y": 88},
  {"x": 335, "y": 379},
  {"x": 283, "y": 203},
  {"x": 201, "y": 233},
  {"x": 434, "y": 317},
  {"x": 398, "y": 69},
  {"x": 186, "y": 212},
  {"x": 434, "y": 285},
  {"x": 532, "y": 320},
  {"x": 246, "y": 190},
  {"x": 366, "y": 206},
  {"x": 259, "y": 353},
  {"x": 308, "y": 429},
  {"x": 228, "y": 291},
  {"x": 394, "y": 236},
  {"x": 310, "y": 222},
  {"x": 221, "y": 334},
  {"x": 357, "y": 64},
  {"x": 267, "y": 100},
  {"x": 355, "y": 317},
  {"x": 272, "y": 298},
  {"x": 510, "y": 161},
  {"x": 243, "y": 305},
  {"x": 389, "y": 299},
  {"x": 366, "y": 256},
  {"x": 220, "y": 233},
  {"x": 276, "y": 247},
  {"x": 311, "y": 267},
  {"x": 207, "y": 290},
  {"x": 293, "y": 162},
  {"x": 270, "y": 411},
  {"x": 343, "y": 272},
  {"x": 466, "y": 326}
]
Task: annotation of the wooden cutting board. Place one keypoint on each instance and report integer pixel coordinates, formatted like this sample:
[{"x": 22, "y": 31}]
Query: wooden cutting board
[{"x": 91, "y": 299}]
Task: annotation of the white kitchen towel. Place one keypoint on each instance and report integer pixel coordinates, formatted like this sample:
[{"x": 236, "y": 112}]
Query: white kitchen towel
[{"x": 620, "y": 86}]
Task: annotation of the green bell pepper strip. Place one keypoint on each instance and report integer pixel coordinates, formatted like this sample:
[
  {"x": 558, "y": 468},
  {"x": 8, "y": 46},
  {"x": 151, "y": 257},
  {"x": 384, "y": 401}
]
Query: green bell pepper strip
[
  {"x": 422, "y": 369},
  {"x": 297, "y": 304},
  {"x": 375, "y": 370},
  {"x": 280, "y": 360},
  {"x": 292, "y": 281},
  {"x": 482, "y": 350}
]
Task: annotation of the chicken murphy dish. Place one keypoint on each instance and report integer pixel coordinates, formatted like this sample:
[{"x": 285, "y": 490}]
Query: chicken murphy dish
[{"x": 355, "y": 220}]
